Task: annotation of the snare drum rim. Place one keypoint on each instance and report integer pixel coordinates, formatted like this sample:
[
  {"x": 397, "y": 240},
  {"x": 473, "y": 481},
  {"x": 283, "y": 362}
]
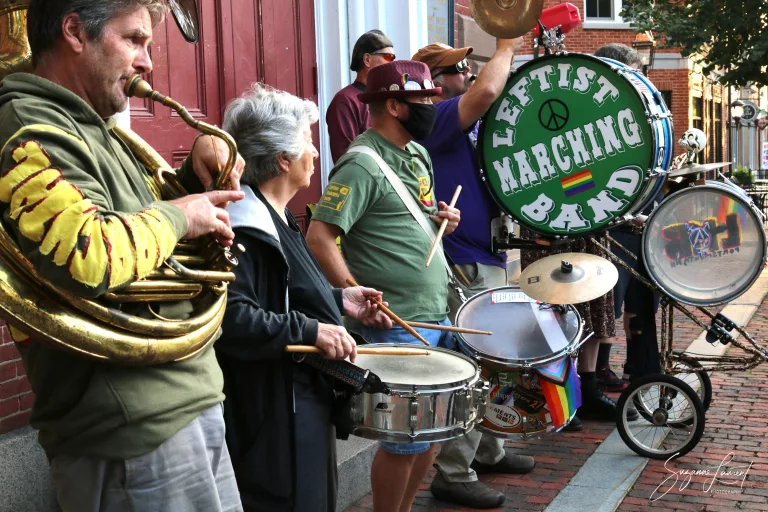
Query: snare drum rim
[
  {"x": 480, "y": 153},
  {"x": 424, "y": 389},
  {"x": 481, "y": 356},
  {"x": 727, "y": 189}
]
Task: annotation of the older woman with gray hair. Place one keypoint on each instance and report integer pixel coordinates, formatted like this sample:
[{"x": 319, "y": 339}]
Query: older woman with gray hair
[{"x": 278, "y": 411}]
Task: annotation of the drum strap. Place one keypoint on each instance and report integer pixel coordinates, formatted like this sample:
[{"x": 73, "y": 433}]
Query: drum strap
[
  {"x": 359, "y": 378},
  {"x": 406, "y": 198}
]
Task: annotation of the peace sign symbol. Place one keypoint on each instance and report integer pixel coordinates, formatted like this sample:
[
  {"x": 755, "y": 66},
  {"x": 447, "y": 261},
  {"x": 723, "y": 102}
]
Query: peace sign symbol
[{"x": 553, "y": 115}]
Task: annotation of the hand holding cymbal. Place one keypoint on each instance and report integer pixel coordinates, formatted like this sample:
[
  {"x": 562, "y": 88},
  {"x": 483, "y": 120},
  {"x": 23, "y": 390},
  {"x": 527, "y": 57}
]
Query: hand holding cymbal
[{"x": 569, "y": 278}]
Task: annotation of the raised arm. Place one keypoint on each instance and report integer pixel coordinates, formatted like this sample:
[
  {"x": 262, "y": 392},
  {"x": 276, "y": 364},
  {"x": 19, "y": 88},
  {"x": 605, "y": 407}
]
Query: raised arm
[{"x": 489, "y": 84}]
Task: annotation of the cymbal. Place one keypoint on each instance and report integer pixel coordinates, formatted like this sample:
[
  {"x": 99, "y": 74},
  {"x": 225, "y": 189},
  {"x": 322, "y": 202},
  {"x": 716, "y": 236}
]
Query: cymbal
[
  {"x": 692, "y": 168},
  {"x": 569, "y": 278}
]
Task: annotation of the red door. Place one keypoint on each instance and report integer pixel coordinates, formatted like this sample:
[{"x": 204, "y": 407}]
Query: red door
[{"x": 241, "y": 42}]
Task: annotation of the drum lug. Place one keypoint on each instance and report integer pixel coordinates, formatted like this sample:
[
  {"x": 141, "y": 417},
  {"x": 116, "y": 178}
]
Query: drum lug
[
  {"x": 413, "y": 413},
  {"x": 656, "y": 116}
]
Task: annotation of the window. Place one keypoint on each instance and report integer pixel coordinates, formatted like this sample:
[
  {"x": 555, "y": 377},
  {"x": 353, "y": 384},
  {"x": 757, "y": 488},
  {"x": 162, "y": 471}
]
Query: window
[
  {"x": 600, "y": 9},
  {"x": 717, "y": 120},
  {"x": 603, "y": 14},
  {"x": 667, "y": 97},
  {"x": 697, "y": 113}
]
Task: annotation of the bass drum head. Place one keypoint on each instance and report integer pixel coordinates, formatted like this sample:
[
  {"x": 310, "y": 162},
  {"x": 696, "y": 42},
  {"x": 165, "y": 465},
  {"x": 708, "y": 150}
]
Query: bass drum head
[
  {"x": 567, "y": 148},
  {"x": 524, "y": 332},
  {"x": 705, "y": 245},
  {"x": 440, "y": 369}
]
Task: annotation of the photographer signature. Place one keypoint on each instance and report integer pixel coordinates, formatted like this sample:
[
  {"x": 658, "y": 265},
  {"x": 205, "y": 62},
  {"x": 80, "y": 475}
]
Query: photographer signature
[{"x": 724, "y": 474}]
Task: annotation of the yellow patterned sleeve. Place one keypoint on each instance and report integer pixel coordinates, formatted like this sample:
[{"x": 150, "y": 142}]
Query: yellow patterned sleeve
[{"x": 78, "y": 240}]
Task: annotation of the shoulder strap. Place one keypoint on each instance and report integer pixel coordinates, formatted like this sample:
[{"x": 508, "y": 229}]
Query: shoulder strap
[{"x": 405, "y": 197}]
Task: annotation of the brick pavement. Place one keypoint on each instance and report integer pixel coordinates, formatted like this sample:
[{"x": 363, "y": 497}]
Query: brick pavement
[{"x": 559, "y": 457}]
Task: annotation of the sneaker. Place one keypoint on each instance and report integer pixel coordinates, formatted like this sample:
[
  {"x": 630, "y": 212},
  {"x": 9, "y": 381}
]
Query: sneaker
[
  {"x": 469, "y": 494},
  {"x": 510, "y": 464},
  {"x": 609, "y": 381}
]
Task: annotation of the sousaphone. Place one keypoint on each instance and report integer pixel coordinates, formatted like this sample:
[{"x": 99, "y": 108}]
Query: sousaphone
[{"x": 124, "y": 326}]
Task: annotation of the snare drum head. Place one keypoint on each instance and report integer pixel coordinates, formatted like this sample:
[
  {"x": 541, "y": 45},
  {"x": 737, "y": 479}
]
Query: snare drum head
[
  {"x": 567, "y": 148},
  {"x": 704, "y": 245},
  {"x": 523, "y": 331},
  {"x": 440, "y": 368}
]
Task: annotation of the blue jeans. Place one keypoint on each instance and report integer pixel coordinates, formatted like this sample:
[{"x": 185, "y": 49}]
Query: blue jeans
[{"x": 397, "y": 334}]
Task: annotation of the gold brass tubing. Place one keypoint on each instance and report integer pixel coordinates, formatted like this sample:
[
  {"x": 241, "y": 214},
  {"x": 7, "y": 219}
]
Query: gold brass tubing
[
  {"x": 125, "y": 298},
  {"x": 139, "y": 88},
  {"x": 162, "y": 273},
  {"x": 190, "y": 260},
  {"x": 143, "y": 326},
  {"x": 161, "y": 286},
  {"x": 198, "y": 275}
]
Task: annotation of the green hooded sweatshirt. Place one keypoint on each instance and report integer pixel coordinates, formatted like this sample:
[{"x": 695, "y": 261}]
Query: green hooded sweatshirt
[{"x": 81, "y": 209}]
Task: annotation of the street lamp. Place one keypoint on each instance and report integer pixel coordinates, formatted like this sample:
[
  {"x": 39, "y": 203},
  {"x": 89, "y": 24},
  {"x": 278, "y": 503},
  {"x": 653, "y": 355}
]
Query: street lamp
[
  {"x": 737, "y": 110},
  {"x": 645, "y": 46}
]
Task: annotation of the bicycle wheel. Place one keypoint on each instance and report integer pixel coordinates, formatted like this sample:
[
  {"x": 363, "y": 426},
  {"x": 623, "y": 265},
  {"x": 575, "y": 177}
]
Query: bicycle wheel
[
  {"x": 699, "y": 381},
  {"x": 671, "y": 419}
]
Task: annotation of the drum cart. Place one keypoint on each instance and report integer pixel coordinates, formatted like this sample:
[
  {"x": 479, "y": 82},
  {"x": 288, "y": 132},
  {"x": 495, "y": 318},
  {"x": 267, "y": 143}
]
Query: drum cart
[{"x": 672, "y": 405}]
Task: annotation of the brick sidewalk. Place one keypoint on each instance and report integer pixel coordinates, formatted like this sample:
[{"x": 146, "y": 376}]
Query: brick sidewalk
[
  {"x": 736, "y": 424},
  {"x": 559, "y": 457}
]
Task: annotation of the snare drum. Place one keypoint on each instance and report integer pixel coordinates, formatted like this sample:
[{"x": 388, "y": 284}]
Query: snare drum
[
  {"x": 576, "y": 144},
  {"x": 432, "y": 398},
  {"x": 534, "y": 387},
  {"x": 705, "y": 245}
]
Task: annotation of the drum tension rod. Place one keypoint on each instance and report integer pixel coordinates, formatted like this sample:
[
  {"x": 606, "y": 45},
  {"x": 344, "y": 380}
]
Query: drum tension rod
[{"x": 720, "y": 329}]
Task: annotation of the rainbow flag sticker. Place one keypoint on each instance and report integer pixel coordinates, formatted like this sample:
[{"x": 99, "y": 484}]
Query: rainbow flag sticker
[
  {"x": 577, "y": 183},
  {"x": 561, "y": 387}
]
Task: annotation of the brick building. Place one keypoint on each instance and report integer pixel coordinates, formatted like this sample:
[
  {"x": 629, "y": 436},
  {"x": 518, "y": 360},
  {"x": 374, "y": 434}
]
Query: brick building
[{"x": 695, "y": 100}]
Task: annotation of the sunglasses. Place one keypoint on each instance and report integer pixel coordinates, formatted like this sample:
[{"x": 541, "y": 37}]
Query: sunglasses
[
  {"x": 457, "y": 69},
  {"x": 389, "y": 57}
]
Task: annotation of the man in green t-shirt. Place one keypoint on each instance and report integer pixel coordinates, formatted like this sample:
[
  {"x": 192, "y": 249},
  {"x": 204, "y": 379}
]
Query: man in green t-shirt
[{"x": 383, "y": 245}]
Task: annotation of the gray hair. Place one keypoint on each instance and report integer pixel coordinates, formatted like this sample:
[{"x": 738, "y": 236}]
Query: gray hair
[
  {"x": 621, "y": 53},
  {"x": 266, "y": 123},
  {"x": 44, "y": 18}
]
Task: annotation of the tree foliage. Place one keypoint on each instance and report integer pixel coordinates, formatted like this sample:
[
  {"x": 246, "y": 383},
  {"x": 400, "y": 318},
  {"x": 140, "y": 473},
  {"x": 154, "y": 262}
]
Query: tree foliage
[{"x": 730, "y": 36}]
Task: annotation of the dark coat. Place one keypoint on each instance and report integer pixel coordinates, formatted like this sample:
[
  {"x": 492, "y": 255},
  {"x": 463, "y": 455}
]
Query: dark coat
[{"x": 258, "y": 378}]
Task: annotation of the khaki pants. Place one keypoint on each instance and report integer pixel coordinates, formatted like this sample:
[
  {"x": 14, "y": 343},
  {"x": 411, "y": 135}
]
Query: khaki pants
[{"x": 457, "y": 454}]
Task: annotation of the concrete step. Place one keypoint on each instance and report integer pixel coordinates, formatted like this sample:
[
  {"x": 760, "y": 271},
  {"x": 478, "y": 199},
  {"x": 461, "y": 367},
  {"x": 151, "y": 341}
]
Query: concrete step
[{"x": 353, "y": 460}]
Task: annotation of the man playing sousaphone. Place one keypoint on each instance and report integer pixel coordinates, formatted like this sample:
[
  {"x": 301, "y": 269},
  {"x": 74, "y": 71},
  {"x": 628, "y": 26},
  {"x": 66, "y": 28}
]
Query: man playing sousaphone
[{"x": 76, "y": 200}]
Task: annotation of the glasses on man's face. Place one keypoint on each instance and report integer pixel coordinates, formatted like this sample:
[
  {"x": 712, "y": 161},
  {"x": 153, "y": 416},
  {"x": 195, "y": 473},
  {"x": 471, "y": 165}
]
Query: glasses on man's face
[
  {"x": 389, "y": 57},
  {"x": 460, "y": 67}
]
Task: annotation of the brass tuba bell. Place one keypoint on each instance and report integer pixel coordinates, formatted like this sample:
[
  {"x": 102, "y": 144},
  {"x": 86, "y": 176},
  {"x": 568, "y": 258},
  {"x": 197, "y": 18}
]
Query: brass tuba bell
[
  {"x": 506, "y": 19},
  {"x": 198, "y": 271}
]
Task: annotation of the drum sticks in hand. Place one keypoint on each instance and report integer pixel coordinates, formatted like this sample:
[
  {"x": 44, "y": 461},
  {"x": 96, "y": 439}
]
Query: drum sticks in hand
[
  {"x": 443, "y": 224},
  {"x": 399, "y": 321}
]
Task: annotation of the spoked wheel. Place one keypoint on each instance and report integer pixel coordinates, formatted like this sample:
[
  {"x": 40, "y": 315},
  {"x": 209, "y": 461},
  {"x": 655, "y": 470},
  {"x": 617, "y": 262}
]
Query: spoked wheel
[
  {"x": 699, "y": 381},
  {"x": 671, "y": 419}
]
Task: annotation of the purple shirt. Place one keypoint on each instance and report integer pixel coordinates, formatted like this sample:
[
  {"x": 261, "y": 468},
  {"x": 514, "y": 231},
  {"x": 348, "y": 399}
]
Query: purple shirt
[{"x": 453, "y": 157}]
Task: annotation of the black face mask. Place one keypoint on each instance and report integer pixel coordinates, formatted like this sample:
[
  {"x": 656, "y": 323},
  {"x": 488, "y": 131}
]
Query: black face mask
[{"x": 421, "y": 120}]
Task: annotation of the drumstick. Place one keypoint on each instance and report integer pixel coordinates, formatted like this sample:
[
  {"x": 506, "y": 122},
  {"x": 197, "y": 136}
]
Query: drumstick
[
  {"x": 375, "y": 351},
  {"x": 443, "y": 224},
  {"x": 449, "y": 328},
  {"x": 399, "y": 321}
]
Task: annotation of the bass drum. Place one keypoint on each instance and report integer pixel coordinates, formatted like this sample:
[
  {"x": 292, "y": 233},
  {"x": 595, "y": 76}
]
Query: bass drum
[
  {"x": 705, "y": 245},
  {"x": 575, "y": 145}
]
